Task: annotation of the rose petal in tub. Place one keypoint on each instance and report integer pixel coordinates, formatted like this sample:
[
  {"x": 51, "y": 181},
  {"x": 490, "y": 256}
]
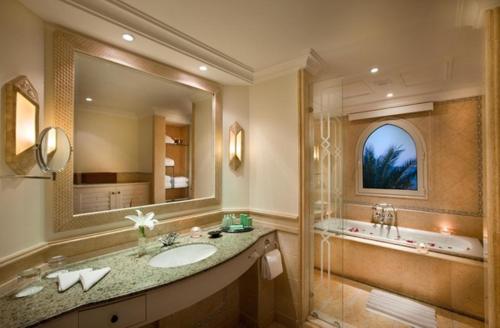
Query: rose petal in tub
[
  {"x": 432, "y": 244},
  {"x": 410, "y": 241}
]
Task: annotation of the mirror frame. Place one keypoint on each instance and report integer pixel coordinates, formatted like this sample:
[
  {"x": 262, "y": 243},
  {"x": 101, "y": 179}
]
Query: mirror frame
[{"x": 65, "y": 45}]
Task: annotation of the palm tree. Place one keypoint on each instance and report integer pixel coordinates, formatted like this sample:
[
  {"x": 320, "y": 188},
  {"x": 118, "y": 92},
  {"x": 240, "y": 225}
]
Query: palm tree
[{"x": 383, "y": 173}]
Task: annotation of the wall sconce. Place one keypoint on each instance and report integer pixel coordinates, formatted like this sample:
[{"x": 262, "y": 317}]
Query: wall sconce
[
  {"x": 21, "y": 124},
  {"x": 235, "y": 146}
]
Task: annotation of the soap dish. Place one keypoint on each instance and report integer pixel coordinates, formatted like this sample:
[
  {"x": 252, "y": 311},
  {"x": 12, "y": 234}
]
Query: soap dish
[
  {"x": 215, "y": 234},
  {"x": 245, "y": 229}
]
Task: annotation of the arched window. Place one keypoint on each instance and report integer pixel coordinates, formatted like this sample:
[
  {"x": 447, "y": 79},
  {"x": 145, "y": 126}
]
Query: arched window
[{"x": 391, "y": 160}]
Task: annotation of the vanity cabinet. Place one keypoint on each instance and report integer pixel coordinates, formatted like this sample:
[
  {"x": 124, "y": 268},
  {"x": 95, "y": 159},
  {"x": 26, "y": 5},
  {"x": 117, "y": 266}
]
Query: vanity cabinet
[
  {"x": 158, "y": 303},
  {"x": 102, "y": 197},
  {"x": 121, "y": 314}
]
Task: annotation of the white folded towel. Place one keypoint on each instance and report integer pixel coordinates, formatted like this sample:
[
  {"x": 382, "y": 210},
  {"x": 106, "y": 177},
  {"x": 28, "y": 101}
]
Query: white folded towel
[
  {"x": 271, "y": 264},
  {"x": 169, "y": 162},
  {"x": 90, "y": 278},
  {"x": 68, "y": 279},
  {"x": 168, "y": 180},
  {"x": 177, "y": 185},
  {"x": 176, "y": 182},
  {"x": 169, "y": 140},
  {"x": 181, "y": 180}
]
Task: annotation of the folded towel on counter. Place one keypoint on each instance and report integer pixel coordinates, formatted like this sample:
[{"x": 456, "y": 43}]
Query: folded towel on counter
[
  {"x": 169, "y": 140},
  {"x": 169, "y": 162},
  {"x": 271, "y": 264},
  {"x": 90, "y": 278},
  {"x": 68, "y": 279}
]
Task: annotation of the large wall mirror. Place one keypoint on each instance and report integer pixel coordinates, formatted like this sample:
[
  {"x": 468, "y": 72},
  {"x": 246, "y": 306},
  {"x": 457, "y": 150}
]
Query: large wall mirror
[{"x": 145, "y": 134}]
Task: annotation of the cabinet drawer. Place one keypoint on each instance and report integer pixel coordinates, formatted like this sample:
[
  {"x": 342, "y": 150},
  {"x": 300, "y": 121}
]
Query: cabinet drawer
[{"x": 117, "y": 315}]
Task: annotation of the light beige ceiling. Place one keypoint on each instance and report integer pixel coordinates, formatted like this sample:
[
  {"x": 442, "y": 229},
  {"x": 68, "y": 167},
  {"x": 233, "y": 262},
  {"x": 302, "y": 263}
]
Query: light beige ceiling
[
  {"x": 349, "y": 35},
  {"x": 420, "y": 46},
  {"x": 124, "y": 91}
]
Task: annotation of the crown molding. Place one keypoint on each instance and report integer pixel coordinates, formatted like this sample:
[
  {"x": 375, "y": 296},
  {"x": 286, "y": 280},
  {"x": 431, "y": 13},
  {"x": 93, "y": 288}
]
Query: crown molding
[
  {"x": 115, "y": 16},
  {"x": 310, "y": 60},
  {"x": 470, "y": 13},
  {"x": 118, "y": 15}
]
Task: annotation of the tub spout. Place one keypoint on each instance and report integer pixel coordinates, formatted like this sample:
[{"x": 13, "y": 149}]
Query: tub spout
[{"x": 391, "y": 219}]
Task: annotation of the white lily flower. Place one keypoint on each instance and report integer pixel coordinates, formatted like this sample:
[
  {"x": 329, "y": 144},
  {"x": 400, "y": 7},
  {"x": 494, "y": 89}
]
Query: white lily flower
[{"x": 142, "y": 221}]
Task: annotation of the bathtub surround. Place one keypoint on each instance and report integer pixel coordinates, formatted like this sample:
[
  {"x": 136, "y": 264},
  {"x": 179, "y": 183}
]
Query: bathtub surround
[
  {"x": 492, "y": 164},
  {"x": 449, "y": 282}
]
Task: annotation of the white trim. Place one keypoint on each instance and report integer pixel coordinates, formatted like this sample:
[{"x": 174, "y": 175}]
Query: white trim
[
  {"x": 421, "y": 192},
  {"x": 472, "y": 91},
  {"x": 23, "y": 253},
  {"x": 309, "y": 60},
  {"x": 284, "y": 215},
  {"x": 392, "y": 111}
]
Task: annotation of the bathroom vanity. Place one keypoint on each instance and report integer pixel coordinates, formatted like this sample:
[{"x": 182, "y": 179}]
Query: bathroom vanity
[{"x": 135, "y": 293}]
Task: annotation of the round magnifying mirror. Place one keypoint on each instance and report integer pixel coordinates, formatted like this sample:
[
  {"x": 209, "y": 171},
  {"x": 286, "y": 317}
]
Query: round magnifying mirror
[{"x": 53, "y": 150}]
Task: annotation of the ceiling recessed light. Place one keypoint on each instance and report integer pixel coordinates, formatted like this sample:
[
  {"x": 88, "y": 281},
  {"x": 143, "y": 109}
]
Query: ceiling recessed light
[
  {"x": 374, "y": 70},
  {"x": 128, "y": 37},
  {"x": 390, "y": 95},
  {"x": 88, "y": 99},
  {"x": 203, "y": 68}
]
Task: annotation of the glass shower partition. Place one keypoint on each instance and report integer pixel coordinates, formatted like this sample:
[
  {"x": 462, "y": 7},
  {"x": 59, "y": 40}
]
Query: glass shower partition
[{"x": 326, "y": 201}]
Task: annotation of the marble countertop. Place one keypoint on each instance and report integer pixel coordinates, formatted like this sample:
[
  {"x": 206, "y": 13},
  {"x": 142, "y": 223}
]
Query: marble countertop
[{"x": 129, "y": 274}]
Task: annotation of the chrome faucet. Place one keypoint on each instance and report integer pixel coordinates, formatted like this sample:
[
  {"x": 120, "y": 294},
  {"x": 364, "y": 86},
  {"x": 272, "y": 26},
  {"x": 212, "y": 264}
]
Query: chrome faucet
[
  {"x": 169, "y": 238},
  {"x": 377, "y": 212},
  {"x": 385, "y": 214}
]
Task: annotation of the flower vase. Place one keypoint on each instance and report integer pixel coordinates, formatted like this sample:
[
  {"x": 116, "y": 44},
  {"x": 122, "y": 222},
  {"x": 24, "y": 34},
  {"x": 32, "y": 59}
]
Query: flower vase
[{"x": 141, "y": 243}]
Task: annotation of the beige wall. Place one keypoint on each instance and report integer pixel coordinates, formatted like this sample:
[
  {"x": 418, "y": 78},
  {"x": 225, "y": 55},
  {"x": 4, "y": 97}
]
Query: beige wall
[
  {"x": 452, "y": 135},
  {"x": 274, "y": 145},
  {"x": 22, "y": 53},
  {"x": 112, "y": 143},
  {"x": 235, "y": 184},
  {"x": 203, "y": 155}
]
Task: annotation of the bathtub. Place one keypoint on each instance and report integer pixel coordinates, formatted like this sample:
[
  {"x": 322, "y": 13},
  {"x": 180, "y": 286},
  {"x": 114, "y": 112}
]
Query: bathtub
[{"x": 435, "y": 242}]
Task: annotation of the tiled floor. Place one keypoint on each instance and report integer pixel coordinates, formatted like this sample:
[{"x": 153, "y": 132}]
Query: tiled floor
[{"x": 337, "y": 298}]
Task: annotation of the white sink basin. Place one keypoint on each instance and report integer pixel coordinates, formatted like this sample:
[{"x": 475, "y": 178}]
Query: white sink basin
[{"x": 182, "y": 255}]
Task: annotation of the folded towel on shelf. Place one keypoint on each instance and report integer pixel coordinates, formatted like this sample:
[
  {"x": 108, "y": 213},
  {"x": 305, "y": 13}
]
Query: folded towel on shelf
[
  {"x": 90, "y": 278},
  {"x": 176, "y": 182},
  {"x": 68, "y": 279},
  {"x": 169, "y": 162},
  {"x": 181, "y": 180},
  {"x": 169, "y": 140}
]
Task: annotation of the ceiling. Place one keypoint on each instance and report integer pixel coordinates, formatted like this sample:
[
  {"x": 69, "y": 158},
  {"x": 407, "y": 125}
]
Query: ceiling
[
  {"x": 120, "y": 90},
  {"x": 420, "y": 46}
]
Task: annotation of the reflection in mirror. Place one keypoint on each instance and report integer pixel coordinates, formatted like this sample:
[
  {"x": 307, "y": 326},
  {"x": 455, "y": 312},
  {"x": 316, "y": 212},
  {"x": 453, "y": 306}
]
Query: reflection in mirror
[
  {"x": 139, "y": 139},
  {"x": 54, "y": 150}
]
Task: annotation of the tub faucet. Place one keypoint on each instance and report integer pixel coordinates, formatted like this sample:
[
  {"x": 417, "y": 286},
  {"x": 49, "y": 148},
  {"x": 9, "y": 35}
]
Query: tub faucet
[
  {"x": 169, "y": 238},
  {"x": 377, "y": 216},
  {"x": 391, "y": 219}
]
